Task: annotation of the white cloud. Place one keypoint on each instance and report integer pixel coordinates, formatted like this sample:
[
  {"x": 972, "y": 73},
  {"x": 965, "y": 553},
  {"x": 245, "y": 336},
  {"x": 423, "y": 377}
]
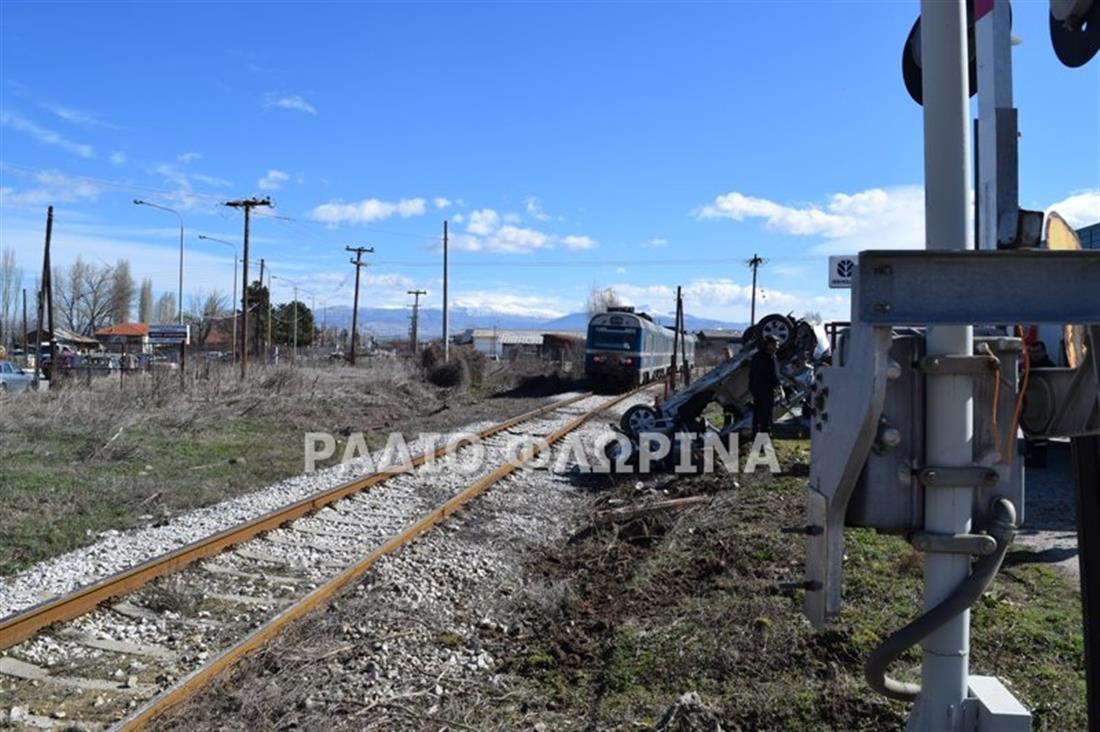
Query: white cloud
[
  {"x": 45, "y": 136},
  {"x": 441, "y": 202},
  {"x": 292, "y": 101},
  {"x": 574, "y": 241},
  {"x": 483, "y": 222},
  {"x": 52, "y": 187},
  {"x": 509, "y": 303},
  {"x": 534, "y": 209},
  {"x": 388, "y": 279},
  {"x": 724, "y": 299},
  {"x": 367, "y": 211},
  {"x": 655, "y": 243},
  {"x": 189, "y": 157},
  {"x": 1079, "y": 209},
  {"x": 185, "y": 196},
  {"x": 78, "y": 116},
  {"x": 878, "y": 218},
  {"x": 118, "y": 158},
  {"x": 273, "y": 180},
  {"x": 489, "y": 231},
  {"x": 458, "y": 218}
]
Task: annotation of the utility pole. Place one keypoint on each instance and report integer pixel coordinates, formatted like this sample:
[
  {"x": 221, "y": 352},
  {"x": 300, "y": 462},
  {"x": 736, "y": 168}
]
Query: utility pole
[
  {"x": 683, "y": 336},
  {"x": 45, "y": 302},
  {"x": 247, "y": 204},
  {"x": 755, "y": 263},
  {"x": 675, "y": 341},
  {"x": 446, "y": 318},
  {"x": 359, "y": 264},
  {"x": 415, "y": 337}
]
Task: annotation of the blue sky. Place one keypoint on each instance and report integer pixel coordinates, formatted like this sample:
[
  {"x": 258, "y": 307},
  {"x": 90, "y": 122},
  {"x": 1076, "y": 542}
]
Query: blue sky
[{"x": 639, "y": 146}]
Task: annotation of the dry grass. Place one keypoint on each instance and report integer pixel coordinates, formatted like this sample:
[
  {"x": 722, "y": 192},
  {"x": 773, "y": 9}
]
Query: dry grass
[{"x": 88, "y": 457}]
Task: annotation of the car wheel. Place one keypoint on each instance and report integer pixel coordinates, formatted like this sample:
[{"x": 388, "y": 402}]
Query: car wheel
[
  {"x": 778, "y": 327},
  {"x": 3, "y": 387},
  {"x": 638, "y": 419}
]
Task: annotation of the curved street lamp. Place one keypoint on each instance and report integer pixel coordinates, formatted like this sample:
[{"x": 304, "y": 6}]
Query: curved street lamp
[{"x": 138, "y": 202}]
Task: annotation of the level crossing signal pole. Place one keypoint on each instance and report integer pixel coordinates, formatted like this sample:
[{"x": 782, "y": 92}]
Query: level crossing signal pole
[
  {"x": 359, "y": 264},
  {"x": 246, "y": 204},
  {"x": 949, "y": 429}
]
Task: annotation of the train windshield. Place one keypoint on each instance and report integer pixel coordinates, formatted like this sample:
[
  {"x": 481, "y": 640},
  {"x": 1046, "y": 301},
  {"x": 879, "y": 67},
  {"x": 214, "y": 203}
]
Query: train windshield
[{"x": 608, "y": 338}]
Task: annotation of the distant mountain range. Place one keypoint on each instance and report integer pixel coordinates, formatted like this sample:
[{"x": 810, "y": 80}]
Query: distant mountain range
[{"x": 389, "y": 322}]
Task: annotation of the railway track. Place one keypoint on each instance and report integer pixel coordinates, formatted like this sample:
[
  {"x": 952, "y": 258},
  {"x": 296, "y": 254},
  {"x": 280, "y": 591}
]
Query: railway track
[{"x": 120, "y": 652}]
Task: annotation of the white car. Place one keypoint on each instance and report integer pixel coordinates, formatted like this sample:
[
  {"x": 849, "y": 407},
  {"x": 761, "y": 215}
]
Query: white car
[{"x": 12, "y": 377}]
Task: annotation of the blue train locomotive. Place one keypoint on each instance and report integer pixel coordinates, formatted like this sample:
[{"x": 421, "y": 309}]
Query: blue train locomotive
[{"x": 624, "y": 348}]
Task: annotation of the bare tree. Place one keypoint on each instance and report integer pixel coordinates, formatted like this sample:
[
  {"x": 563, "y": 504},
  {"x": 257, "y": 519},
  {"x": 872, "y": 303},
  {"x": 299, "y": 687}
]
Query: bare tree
[
  {"x": 122, "y": 292},
  {"x": 82, "y": 296},
  {"x": 206, "y": 313},
  {"x": 145, "y": 301},
  {"x": 166, "y": 309},
  {"x": 11, "y": 281},
  {"x": 600, "y": 300}
]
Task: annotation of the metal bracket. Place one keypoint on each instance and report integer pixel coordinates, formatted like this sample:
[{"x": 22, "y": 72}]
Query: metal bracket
[
  {"x": 967, "y": 475},
  {"x": 938, "y": 287},
  {"x": 856, "y": 388},
  {"x": 981, "y": 545},
  {"x": 958, "y": 364}
]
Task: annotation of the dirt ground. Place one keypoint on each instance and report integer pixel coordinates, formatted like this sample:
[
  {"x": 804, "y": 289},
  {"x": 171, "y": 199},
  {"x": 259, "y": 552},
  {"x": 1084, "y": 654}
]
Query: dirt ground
[
  {"x": 86, "y": 459},
  {"x": 1050, "y": 530},
  {"x": 683, "y": 621}
]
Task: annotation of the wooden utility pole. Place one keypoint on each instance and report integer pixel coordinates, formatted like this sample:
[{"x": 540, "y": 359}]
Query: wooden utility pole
[
  {"x": 675, "y": 341},
  {"x": 446, "y": 317},
  {"x": 247, "y": 204},
  {"x": 681, "y": 325},
  {"x": 45, "y": 302},
  {"x": 414, "y": 337},
  {"x": 755, "y": 263},
  {"x": 359, "y": 264}
]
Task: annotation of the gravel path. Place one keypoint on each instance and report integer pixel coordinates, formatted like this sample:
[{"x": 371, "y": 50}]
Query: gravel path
[
  {"x": 402, "y": 649},
  {"x": 116, "y": 551},
  {"x": 94, "y": 669}
]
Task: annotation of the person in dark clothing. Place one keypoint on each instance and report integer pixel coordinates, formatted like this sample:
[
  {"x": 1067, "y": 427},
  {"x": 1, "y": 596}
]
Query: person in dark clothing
[
  {"x": 1038, "y": 357},
  {"x": 763, "y": 378}
]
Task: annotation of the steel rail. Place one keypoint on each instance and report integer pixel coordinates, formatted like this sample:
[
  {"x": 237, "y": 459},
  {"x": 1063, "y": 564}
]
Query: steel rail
[
  {"x": 198, "y": 679},
  {"x": 26, "y": 623}
]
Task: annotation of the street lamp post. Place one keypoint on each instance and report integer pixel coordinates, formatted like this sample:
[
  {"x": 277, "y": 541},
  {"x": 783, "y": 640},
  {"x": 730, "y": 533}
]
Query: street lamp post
[
  {"x": 234, "y": 247},
  {"x": 138, "y": 202}
]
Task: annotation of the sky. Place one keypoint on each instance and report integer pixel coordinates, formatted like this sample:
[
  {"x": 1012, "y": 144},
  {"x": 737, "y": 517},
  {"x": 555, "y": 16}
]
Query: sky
[{"x": 569, "y": 145}]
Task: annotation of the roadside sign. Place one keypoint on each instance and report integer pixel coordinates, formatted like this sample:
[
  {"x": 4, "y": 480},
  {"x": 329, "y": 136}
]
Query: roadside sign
[
  {"x": 169, "y": 335},
  {"x": 841, "y": 270}
]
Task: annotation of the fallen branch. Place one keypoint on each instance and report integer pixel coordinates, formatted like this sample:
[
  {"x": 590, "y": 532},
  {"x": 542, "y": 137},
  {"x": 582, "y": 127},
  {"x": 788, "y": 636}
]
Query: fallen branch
[{"x": 629, "y": 513}]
